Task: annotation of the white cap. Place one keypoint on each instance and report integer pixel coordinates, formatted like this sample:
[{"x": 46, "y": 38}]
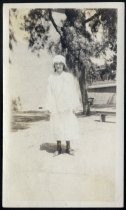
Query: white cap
[{"x": 58, "y": 59}]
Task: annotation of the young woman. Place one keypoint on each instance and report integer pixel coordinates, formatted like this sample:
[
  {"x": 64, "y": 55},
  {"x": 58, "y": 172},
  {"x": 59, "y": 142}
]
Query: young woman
[{"x": 62, "y": 102}]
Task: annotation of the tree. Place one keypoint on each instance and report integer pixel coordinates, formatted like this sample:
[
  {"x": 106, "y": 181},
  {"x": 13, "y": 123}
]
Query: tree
[
  {"x": 12, "y": 38},
  {"x": 75, "y": 41}
]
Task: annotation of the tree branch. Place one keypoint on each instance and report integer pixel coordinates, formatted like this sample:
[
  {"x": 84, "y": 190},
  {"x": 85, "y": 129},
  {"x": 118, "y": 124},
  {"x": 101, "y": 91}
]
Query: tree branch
[
  {"x": 92, "y": 17},
  {"x": 53, "y": 22}
]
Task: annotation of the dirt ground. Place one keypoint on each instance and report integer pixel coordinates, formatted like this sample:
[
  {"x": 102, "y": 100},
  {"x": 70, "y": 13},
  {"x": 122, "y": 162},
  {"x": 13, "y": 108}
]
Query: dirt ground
[{"x": 34, "y": 178}]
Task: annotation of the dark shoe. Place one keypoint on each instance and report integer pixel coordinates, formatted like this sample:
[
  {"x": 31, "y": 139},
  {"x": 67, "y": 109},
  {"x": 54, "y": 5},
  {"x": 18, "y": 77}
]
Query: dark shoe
[
  {"x": 68, "y": 149},
  {"x": 67, "y": 146},
  {"x": 59, "y": 149}
]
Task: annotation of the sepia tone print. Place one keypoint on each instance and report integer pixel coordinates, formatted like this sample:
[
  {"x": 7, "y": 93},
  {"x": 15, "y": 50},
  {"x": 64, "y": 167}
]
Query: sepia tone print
[{"x": 61, "y": 147}]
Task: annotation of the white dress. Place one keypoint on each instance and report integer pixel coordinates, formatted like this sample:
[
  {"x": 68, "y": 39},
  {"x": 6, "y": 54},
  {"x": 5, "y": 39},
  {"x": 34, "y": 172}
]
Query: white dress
[{"x": 62, "y": 100}]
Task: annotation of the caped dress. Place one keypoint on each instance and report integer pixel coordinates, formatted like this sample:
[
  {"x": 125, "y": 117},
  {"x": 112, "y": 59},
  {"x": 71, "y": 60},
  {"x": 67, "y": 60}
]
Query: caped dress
[{"x": 62, "y": 100}]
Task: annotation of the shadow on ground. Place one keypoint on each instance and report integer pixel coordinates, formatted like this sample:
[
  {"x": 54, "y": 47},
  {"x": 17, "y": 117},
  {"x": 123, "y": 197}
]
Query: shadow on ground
[
  {"x": 105, "y": 121},
  {"x": 51, "y": 147},
  {"x": 15, "y": 126},
  {"x": 22, "y": 120}
]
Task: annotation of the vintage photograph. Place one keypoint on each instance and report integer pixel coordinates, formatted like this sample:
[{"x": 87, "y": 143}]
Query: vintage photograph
[{"x": 63, "y": 76}]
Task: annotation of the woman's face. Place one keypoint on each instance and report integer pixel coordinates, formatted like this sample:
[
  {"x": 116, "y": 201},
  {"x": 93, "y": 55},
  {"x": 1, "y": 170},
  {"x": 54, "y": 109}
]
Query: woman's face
[{"x": 59, "y": 67}]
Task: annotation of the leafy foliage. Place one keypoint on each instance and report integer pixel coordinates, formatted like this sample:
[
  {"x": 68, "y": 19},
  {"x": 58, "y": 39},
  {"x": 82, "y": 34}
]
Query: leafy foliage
[
  {"x": 77, "y": 37},
  {"x": 75, "y": 41},
  {"x": 12, "y": 38},
  {"x": 36, "y": 23}
]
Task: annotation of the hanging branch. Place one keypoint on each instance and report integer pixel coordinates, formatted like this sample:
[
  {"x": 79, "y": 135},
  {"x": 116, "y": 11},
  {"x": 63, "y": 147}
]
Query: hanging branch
[
  {"x": 92, "y": 17},
  {"x": 53, "y": 22}
]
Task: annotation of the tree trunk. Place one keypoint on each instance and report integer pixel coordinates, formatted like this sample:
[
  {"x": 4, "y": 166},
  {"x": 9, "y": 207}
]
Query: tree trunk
[{"x": 82, "y": 83}]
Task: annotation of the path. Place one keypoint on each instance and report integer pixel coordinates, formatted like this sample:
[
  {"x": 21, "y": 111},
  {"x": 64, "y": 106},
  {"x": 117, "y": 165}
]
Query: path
[{"x": 36, "y": 178}]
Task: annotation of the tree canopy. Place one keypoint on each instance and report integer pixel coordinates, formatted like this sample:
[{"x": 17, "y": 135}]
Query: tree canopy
[
  {"x": 76, "y": 42},
  {"x": 78, "y": 37},
  {"x": 77, "y": 34}
]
